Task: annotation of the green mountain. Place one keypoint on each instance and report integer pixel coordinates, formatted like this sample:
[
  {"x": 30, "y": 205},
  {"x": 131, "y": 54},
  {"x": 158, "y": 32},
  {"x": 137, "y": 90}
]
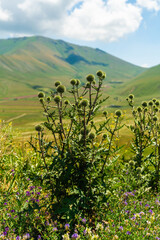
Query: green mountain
[
  {"x": 31, "y": 64},
  {"x": 146, "y": 84}
]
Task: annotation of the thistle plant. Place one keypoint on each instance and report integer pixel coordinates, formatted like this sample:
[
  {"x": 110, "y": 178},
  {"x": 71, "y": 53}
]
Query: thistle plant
[
  {"x": 146, "y": 137},
  {"x": 78, "y": 159}
]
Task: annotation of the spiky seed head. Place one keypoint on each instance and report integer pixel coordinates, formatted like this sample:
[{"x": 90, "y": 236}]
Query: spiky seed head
[
  {"x": 48, "y": 99},
  {"x": 134, "y": 112},
  {"x": 131, "y": 96},
  {"x": 88, "y": 85},
  {"x": 118, "y": 113},
  {"x": 105, "y": 113},
  {"x": 57, "y": 83},
  {"x": 156, "y": 109},
  {"x": 104, "y": 136},
  {"x": 41, "y": 95},
  {"x": 103, "y": 76},
  {"x": 150, "y": 103},
  {"x": 155, "y": 118},
  {"x": 94, "y": 82},
  {"x": 78, "y": 82},
  {"x": 57, "y": 99},
  {"x": 61, "y": 89},
  {"x": 73, "y": 82},
  {"x": 38, "y": 128},
  {"x": 84, "y": 103},
  {"x": 157, "y": 103},
  {"x": 127, "y": 99},
  {"x": 90, "y": 78},
  {"x": 92, "y": 135},
  {"x": 154, "y": 100},
  {"x": 41, "y": 100},
  {"x": 99, "y": 73},
  {"x": 66, "y": 102},
  {"x": 131, "y": 163},
  {"x": 139, "y": 109},
  {"x": 145, "y": 109},
  {"x": 144, "y": 104}
]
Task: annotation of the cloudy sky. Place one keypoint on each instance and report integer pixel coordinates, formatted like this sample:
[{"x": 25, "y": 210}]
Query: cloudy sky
[{"x": 129, "y": 29}]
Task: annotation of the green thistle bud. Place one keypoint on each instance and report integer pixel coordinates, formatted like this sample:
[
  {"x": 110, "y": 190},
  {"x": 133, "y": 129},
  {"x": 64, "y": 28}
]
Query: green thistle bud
[
  {"x": 41, "y": 95},
  {"x": 90, "y": 78},
  {"x": 131, "y": 96},
  {"x": 154, "y": 100},
  {"x": 144, "y": 104},
  {"x": 84, "y": 103},
  {"x": 157, "y": 103},
  {"x": 131, "y": 163},
  {"x": 155, "y": 118},
  {"x": 127, "y": 99},
  {"x": 38, "y": 128},
  {"x": 156, "y": 109},
  {"x": 48, "y": 99},
  {"x": 41, "y": 100},
  {"x": 118, "y": 113},
  {"x": 104, "y": 136},
  {"x": 150, "y": 103},
  {"x": 134, "y": 112},
  {"x": 57, "y": 99},
  {"x": 78, "y": 82},
  {"x": 92, "y": 135},
  {"x": 105, "y": 113},
  {"x": 66, "y": 102},
  {"x": 145, "y": 109},
  {"x": 103, "y": 76},
  {"x": 61, "y": 89},
  {"x": 88, "y": 85},
  {"x": 94, "y": 82},
  {"x": 57, "y": 83},
  {"x": 139, "y": 109},
  {"x": 99, "y": 73},
  {"x": 73, "y": 82}
]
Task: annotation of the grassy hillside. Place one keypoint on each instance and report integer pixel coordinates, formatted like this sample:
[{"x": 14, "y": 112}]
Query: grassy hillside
[
  {"x": 28, "y": 65},
  {"x": 145, "y": 85}
]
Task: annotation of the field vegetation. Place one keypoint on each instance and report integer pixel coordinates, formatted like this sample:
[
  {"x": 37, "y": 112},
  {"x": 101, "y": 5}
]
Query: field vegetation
[{"x": 87, "y": 172}]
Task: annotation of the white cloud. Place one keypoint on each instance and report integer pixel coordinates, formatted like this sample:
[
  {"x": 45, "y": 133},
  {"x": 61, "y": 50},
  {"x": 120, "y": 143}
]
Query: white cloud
[
  {"x": 99, "y": 20},
  {"x": 105, "y": 20},
  {"x": 5, "y": 15},
  {"x": 149, "y": 4}
]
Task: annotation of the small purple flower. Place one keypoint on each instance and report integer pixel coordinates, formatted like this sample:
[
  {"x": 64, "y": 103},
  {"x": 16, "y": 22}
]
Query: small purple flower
[
  {"x": 5, "y": 233},
  {"x": 150, "y": 211},
  {"x": 74, "y": 236},
  {"x": 128, "y": 233},
  {"x": 27, "y": 236},
  {"x": 54, "y": 229},
  {"x": 5, "y": 203},
  {"x": 12, "y": 170},
  {"x": 18, "y": 238},
  {"x": 39, "y": 237},
  {"x": 6, "y": 229},
  {"x": 84, "y": 220},
  {"x": 38, "y": 193},
  {"x": 121, "y": 228},
  {"x": 28, "y": 193},
  {"x": 28, "y": 179},
  {"x": 66, "y": 226},
  {"x": 147, "y": 205},
  {"x": 17, "y": 193},
  {"x": 85, "y": 232},
  {"x": 12, "y": 211}
]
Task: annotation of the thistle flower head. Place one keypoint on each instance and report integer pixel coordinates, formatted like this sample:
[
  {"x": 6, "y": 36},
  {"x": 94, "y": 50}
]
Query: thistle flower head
[
  {"x": 73, "y": 82},
  {"x": 144, "y": 104},
  {"x": 66, "y": 102},
  {"x": 48, "y": 99},
  {"x": 84, "y": 103},
  {"x": 88, "y": 85},
  {"x": 139, "y": 109},
  {"x": 78, "y": 82},
  {"x": 118, "y": 113},
  {"x": 41, "y": 95},
  {"x": 94, "y": 82},
  {"x": 150, "y": 103},
  {"x": 131, "y": 96},
  {"x": 99, "y": 73},
  {"x": 157, "y": 103},
  {"x": 57, "y": 99},
  {"x": 154, "y": 100},
  {"x": 57, "y": 83},
  {"x": 105, "y": 113},
  {"x": 38, "y": 128},
  {"x": 90, "y": 78},
  {"x": 155, "y": 118},
  {"x": 104, "y": 136},
  {"x": 61, "y": 89},
  {"x": 41, "y": 100},
  {"x": 131, "y": 163}
]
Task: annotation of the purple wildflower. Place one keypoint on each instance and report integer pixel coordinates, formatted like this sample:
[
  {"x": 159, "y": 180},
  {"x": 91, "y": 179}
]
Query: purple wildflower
[
  {"x": 39, "y": 237},
  {"x": 66, "y": 226},
  {"x": 54, "y": 229},
  {"x": 28, "y": 193},
  {"x": 74, "y": 236},
  {"x": 128, "y": 233},
  {"x": 84, "y": 220},
  {"x": 121, "y": 228},
  {"x": 18, "y": 238}
]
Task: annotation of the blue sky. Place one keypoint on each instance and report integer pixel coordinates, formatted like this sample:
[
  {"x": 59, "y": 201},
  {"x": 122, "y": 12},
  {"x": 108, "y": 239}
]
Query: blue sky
[{"x": 128, "y": 29}]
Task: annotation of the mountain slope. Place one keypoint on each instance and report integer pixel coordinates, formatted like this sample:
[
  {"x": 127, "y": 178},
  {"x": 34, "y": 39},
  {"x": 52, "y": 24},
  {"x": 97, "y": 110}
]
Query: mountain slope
[
  {"x": 146, "y": 84},
  {"x": 28, "y": 65}
]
